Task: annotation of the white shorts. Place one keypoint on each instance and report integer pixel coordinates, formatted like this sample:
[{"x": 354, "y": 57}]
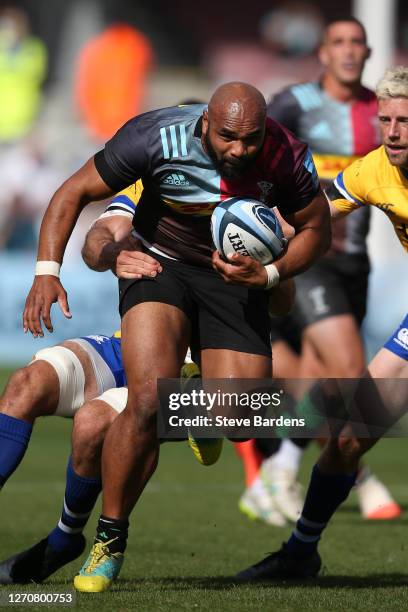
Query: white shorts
[
  {"x": 72, "y": 378},
  {"x": 116, "y": 398}
]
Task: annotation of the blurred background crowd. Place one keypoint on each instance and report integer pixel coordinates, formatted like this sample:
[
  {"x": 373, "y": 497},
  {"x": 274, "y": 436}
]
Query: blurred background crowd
[{"x": 72, "y": 72}]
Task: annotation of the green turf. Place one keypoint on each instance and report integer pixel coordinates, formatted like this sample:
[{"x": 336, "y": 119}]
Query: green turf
[{"x": 187, "y": 537}]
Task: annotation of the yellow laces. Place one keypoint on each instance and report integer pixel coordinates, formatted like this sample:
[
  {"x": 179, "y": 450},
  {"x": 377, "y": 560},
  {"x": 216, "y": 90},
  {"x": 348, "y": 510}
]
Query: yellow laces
[{"x": 99, "y": 551}]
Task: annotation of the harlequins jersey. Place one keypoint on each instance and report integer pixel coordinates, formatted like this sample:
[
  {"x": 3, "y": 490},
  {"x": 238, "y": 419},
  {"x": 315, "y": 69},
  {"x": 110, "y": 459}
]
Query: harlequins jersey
[
  {"x": 182, "y": 186},
  {"x": 337, "y": 134}
]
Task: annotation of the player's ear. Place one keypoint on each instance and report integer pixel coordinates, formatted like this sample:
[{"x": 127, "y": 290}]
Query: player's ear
[
  {"x": 322, "y": 55},
  {"x": 368, "y": 53},
  {"x": 204, "y": 126}
]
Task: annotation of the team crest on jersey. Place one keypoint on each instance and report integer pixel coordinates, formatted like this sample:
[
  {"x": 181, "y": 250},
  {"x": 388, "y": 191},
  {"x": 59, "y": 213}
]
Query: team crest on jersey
[
  {"x": 266, "y": 189},
  {"x": 176, "y": 178}
]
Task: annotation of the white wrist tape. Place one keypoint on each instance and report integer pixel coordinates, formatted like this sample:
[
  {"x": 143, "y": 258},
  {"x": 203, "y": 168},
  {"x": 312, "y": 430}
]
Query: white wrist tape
[
  {"x": 47, "y": 267},
  {"x": 273, "y": 276}
]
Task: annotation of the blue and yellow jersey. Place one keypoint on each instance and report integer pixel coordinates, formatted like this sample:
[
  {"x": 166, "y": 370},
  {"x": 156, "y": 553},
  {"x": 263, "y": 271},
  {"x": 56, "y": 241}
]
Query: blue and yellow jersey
[
  {"x": 372, "y": 180},
  {"x": 124, "y": 202}
]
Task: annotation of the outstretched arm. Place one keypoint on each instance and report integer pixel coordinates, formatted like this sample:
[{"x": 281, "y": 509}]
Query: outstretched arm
[{"x": 60, "y": 218}]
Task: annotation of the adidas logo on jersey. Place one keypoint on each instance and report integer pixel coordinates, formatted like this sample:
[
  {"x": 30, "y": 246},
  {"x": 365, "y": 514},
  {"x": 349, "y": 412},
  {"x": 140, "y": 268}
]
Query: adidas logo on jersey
[{"x": 176, "y": 179}]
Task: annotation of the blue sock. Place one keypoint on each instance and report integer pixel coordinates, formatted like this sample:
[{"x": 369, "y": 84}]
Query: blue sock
[
  {"x": 80, "y": 498},
  {"x": 325, "y": 494},
  {"x": 14, "y": 438}
]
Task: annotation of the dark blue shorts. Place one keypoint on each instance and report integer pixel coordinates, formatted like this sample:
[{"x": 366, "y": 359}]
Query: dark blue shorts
[{"x": 398, "y": 343}]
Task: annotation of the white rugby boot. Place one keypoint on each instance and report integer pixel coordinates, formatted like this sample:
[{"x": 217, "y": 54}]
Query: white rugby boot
[
  {"x": 374, "y": 499},
  {"x": 283, "y": 489},
  {"x": 257, "y": 505}
]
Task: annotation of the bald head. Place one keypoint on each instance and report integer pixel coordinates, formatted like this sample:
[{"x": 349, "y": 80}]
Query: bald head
[
  {"x": 237, "y": 99},
  {"x": 233, "y": 128}
]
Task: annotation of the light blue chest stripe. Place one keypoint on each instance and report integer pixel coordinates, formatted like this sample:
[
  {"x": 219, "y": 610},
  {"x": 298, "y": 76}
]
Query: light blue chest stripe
[
  {"x": 174, "y": 140},
  {"x": 183, "y": 140},
  {"x": 307, "y": 96},
  {"x": 165, "y": 145}
]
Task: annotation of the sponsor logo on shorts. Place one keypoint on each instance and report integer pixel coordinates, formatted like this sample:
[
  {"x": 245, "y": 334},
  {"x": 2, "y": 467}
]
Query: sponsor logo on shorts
[
  {"x": 317, "y": 296},
  {"x": 402, "y": 338}
]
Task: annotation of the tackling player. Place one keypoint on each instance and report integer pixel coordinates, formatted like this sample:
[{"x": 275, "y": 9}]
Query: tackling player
[
  {"x": 379, "y": 179},
  {"x": 82, "y": 377},
  {"x": 58, "y": 381}
]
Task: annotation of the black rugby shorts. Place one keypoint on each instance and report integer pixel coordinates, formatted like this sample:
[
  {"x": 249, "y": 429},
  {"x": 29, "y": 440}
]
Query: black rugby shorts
[
  {"x": 222, "y": 316},
  {"x": 333, "y": 286}
]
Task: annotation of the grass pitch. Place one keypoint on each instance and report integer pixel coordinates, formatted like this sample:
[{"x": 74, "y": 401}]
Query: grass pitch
[{"x": 187, "y": 538}]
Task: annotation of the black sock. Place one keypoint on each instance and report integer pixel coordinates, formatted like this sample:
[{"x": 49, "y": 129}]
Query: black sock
[
  {"x": 268, "y": 446},
  {"x": 302, "y": 443},
  {"x": 114, "y": 532}
]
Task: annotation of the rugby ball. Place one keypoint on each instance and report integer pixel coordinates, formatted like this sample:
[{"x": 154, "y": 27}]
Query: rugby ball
[{"x": 247, "y": 227}]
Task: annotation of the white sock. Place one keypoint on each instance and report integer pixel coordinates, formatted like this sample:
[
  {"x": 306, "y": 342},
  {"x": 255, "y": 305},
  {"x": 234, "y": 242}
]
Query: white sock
[{"x": 288, "y": 456}]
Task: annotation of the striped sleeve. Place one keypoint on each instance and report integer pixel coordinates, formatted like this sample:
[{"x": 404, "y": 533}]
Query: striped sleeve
[
  {"x": 346, "y": 192},
  {"x": 124, "y": 203}
]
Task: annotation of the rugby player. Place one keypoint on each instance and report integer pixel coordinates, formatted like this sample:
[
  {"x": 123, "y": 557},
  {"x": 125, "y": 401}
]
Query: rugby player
[
  {"x": 379, "y": 179},
  {"x": 85, "y": 372},
  {"x": 337, "y": 116},
  {"x": 220, "y": 308},
  {"x": 82, "y": 377}
]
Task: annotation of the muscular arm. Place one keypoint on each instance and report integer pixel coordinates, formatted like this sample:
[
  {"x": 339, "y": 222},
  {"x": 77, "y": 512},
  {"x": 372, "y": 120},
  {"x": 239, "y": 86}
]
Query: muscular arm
[
  {"x": 59, "y": 220},
  {"x": 105, "y": 240},
  {"x": 62, "y": 213},
  {"x": 109, "y": 246},
  {"x": 312, "y": 237}
]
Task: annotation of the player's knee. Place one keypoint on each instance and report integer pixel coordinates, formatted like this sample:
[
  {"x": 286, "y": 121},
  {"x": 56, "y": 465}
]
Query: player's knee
[
  {"x": 350, "y": 367},
  {"x": 351, "y": 450},
  {"x": 20, "y": 398},
  {"x": 89, "y": 431},
  {"x": 142, "y": 408},
  {"x": 346, "y": 362}
]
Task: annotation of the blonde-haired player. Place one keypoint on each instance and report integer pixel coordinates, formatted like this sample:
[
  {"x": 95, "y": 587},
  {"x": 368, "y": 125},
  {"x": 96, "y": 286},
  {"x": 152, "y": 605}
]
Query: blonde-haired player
[{"x": 379, "y": 179}]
